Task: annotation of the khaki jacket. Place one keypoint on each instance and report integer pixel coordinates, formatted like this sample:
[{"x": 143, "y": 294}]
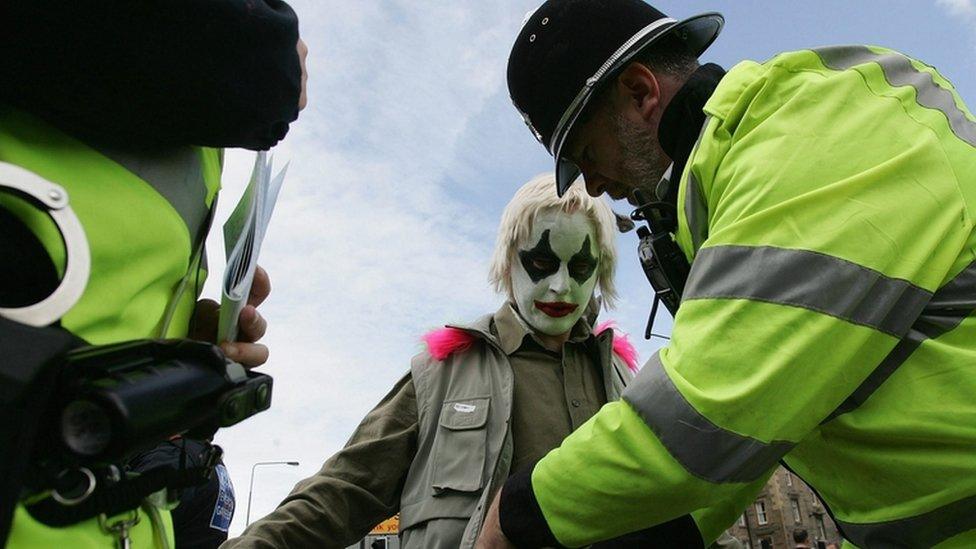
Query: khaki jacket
[{"x": 465, "y": 443}]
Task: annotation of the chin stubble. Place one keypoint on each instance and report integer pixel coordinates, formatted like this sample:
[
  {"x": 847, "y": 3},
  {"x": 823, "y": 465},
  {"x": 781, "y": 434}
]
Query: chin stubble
[{"x": 640, "y": 159}]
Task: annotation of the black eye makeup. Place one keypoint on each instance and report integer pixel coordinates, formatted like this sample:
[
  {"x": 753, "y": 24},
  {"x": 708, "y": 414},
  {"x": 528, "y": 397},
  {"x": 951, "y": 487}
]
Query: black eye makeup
[
  {"x": 583, "y": 264},
  {"x": 540, "y": 261}
]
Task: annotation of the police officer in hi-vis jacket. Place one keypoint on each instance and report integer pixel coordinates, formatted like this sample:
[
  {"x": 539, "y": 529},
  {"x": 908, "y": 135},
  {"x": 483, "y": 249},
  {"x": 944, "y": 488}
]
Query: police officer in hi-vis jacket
[{"x": 813, "y": 216}]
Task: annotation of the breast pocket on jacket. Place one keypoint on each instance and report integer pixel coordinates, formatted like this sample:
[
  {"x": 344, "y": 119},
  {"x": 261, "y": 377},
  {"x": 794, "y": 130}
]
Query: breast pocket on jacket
[{"x": 461, "y": 446}]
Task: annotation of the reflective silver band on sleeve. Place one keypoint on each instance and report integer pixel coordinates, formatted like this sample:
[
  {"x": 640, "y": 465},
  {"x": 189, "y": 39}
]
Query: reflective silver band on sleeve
[
  {"x": 703, "y": 449},
  {"x": 925, "y": 530},
  {"x": 806, "y": 279},
  {"x": 950, "y": 304},
  {"x": 899, "y": 71}
]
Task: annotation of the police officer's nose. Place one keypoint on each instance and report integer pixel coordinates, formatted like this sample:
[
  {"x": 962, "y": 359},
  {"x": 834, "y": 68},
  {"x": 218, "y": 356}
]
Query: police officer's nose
[{"x": 595, "y": 183}]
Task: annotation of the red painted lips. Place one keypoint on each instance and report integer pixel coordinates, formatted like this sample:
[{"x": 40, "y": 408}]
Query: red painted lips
[{"x": 556, "y": 309}]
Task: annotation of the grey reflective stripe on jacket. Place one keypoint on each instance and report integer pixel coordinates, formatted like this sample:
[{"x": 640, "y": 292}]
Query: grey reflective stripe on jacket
[
  {"x": 807, "y": 279},
  {"x": 465, "y": 444},
  {"x": 899, "y": 71},
  {"x": 703, "y": 448},
  {"x": 841, "y": 289},
  {"x": 797, "y": 278}
]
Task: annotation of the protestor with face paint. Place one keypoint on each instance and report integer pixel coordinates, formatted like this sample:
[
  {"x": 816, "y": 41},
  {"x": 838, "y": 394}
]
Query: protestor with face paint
[{"x": 483, "y": 399}]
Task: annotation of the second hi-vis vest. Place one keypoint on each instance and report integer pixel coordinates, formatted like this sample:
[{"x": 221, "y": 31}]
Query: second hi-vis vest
[
  {"x": 828, "y": 210},
  {"x": 145, "y": 216}
]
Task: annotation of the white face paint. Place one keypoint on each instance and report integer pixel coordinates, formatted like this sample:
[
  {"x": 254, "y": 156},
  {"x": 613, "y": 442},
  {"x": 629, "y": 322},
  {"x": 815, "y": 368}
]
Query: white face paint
[{"x": 555, "y": 271}]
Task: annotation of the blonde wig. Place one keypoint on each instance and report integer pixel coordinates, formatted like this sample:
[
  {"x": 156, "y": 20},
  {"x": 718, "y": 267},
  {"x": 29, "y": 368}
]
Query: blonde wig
[{"x": 539, "y": 195}]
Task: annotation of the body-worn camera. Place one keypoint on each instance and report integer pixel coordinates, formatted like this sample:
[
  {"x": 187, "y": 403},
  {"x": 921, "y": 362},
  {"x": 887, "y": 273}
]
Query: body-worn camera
[
  {"x": 114, "y": 401},
  {"x": 118, "y": 399}
]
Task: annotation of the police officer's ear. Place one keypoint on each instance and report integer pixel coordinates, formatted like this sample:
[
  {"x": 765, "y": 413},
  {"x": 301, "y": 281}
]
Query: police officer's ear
[{"x": 638, "y": 92}]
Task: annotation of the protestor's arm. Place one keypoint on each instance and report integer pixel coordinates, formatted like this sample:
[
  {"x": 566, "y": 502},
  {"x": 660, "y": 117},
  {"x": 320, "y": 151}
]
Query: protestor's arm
[
  {"x": 805, "y": 275},
  {"x": 355, "y": 489},
  {"x": 154, "y": 73}
]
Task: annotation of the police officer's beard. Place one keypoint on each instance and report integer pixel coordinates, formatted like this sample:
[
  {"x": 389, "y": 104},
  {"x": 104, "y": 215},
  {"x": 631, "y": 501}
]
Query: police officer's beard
[{"x": 642, "y": 162}]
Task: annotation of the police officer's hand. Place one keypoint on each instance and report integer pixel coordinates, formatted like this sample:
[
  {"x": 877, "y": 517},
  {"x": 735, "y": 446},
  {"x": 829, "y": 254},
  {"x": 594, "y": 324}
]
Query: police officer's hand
[{"x": 251, "y": 324}]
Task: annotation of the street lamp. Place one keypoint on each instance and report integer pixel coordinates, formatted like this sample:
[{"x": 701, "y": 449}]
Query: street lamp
[{"x": 250, "y": 488}]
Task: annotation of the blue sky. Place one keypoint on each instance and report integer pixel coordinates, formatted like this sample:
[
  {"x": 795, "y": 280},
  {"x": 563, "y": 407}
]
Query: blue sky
[{"x": 400, "y": 167}]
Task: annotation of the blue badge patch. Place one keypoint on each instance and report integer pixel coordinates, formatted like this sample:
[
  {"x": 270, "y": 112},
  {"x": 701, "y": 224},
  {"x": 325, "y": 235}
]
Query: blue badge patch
[{"x": 224, "y": 509}]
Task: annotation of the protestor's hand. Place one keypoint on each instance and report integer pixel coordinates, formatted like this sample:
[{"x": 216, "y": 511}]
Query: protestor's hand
[
  {"x": 302, "y": 54},
  {"x": 251, "y": 325},
  {"x": 491, "y": 536}
]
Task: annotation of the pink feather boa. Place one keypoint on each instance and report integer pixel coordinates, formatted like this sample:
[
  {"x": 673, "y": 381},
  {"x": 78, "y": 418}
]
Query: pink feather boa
[{"x": 443, "y": 342}]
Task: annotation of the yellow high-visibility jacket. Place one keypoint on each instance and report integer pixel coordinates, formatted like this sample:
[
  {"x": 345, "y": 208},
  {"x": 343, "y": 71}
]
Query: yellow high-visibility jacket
[{"x": 828, "y": 211}]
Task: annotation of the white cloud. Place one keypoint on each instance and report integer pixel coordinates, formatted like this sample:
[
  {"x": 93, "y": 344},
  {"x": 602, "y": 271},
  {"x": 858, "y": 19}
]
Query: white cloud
[
  {"x": 965, "y": 12},
  {"x": 963, "y": 8}
]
